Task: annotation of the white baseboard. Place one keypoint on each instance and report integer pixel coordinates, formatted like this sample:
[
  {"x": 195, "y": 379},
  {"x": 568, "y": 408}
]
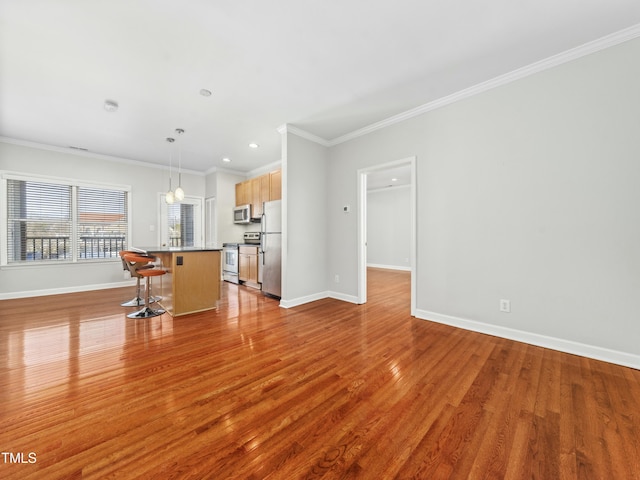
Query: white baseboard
[
  {"x": 318, "y": 296},
  {"x": 302, "y": 300},
  {"x": 566, "y": 346},
  {"x": 74, "y": 289},
  {"x": 344, "y": 298},
  {"x": 389, "y": 267}
]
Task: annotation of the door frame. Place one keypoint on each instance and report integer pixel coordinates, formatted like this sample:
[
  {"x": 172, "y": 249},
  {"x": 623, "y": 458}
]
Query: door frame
[
  {"x": 199, "y": 218},
  {"x": 362, "y": 227}
]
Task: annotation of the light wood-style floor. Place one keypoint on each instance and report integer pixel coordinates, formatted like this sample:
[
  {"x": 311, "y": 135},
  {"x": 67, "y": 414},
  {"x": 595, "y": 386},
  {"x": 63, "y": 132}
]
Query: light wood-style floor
[{"x": 328, "y": 389}]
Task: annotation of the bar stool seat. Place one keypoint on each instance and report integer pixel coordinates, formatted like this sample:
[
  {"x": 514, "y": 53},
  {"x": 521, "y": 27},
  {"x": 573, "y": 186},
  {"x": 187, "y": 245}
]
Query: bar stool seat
[
  {"x": 147, "y": 273},
  {"x": 134, "y": 269}
]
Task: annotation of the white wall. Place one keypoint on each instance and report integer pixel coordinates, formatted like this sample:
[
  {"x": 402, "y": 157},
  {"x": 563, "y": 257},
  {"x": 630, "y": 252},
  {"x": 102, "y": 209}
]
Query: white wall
[
  {"x": 146, "y": 185},
  {"x": 304, "y": 220},
  {"x": 389, "y": 228},
  {"x": 528, "y": 192},
  {"x": 225, "y": 201}
]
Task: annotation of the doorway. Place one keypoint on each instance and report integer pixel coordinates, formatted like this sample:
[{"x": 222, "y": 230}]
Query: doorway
[
  {"x": 372, "y": 174},
  {"x": 181, "y": 223}
]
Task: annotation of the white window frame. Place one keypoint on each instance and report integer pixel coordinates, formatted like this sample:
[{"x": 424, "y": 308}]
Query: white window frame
[{"x": 74, "y": 183}]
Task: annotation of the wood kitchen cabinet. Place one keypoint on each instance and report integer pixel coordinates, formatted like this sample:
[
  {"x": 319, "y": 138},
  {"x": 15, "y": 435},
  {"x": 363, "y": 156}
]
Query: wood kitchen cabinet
[
  {"x": 258, "y": 190},
  {"x": 248, "y": 266},
  {"x": 243, "y": 193},
  {"x": 192, "y": 280},
  {"x": 275, "y": 185}
]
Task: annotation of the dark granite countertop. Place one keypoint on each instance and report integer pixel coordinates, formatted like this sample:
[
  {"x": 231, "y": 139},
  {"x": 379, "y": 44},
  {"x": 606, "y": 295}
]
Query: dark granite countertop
[{"x": 165, "y": 249}]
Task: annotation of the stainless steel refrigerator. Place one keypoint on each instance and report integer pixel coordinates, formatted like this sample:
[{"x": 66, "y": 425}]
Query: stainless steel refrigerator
[{"x": 271, "y": 248}]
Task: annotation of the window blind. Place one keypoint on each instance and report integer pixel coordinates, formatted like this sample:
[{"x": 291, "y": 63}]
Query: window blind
[
  {"x": 102, "y": 222},
  {"x": 39, "y": 221},
  {"x": 56, "y": 221}
]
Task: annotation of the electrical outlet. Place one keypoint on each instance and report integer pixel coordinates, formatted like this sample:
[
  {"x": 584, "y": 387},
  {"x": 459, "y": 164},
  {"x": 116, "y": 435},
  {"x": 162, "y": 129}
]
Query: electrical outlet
[
  {"x": 505, "y": 306},
  {"x": 336, "y": 278}
]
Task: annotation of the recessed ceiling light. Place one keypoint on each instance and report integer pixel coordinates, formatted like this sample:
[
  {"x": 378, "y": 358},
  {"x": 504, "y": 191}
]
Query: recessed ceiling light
[
  {"x": 394, "y": 179},
  {"x": 205, "y": 93},
  {"x": 110, "y": 105},
  {"x": 225, "y": 159},
  {"x": 253, "y": 145}
]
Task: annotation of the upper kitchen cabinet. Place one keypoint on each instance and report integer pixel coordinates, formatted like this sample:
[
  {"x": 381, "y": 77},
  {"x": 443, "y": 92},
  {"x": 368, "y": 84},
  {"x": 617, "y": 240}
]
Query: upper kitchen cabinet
[
  {"x": 275, "y": 185},
  {"x": 258, "y": 190},
  {"x": 243, "y": 193}
]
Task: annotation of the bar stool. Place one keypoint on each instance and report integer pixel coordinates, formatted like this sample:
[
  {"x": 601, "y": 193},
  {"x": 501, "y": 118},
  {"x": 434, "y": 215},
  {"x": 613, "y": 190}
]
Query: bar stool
[
  {"x": 134, "y": 269},
  {"x": 147, "y": 273}
]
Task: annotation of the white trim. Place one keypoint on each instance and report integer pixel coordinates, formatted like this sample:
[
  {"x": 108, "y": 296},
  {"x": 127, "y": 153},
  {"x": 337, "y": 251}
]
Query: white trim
[
  {"x": 67, "y": 181},
  {"x": 390, "y": 188},
  {"x": 256, "y": 172},
  {"x": 362, "y": 233},
  {"x": 559, "y": 344},
  {"x": 389, "y": 267},
  {"x": 75, "y": 224},
  {"x": 85, "y": 153},
  {"x": 58, "y": 291},
  {"x": 344, "y": 297},
  {"x": 536, "y": 67},
  {"x": 230, "y": 171},
  {"x": 199, "y": 219},
  {"x": 287, "y": 128},
  {"x": 319, "y": 296},
  {"x": 302, "y": 300}
]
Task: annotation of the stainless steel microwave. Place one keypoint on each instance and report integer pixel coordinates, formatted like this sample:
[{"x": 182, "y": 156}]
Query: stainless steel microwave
[{"x": 242, "y": 214}]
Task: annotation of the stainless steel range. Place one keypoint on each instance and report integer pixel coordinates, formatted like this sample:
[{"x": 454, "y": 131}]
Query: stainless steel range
[
  {"x": 252, "y": 238},
  {"x": 230, "y": 262}
]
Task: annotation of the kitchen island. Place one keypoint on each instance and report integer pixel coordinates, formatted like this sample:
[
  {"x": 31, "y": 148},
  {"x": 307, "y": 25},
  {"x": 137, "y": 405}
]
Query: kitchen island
[{"x": 192, "y": 282}]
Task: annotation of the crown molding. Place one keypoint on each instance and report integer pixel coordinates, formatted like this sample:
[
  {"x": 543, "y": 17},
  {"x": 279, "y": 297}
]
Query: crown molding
[
  {"x": 288, "y": 128},
  {"x": 87, "y": 154},
  {"x": 537, "y": 67},
  {"x": 256, "y": 172},
  {"x": 230, "y": 171}
]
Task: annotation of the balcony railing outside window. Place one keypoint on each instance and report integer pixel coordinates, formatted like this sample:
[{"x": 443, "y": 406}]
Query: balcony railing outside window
[
  {"x": 48, "y": 248},
  {"x": 52, "y": 248},
  {"x": 101, "y": 246},
  {"x": 50, "y": 221}
]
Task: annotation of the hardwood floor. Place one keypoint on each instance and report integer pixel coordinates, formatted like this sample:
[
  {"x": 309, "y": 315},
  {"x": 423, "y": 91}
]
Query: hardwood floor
[{"x": 328, "y": 389}]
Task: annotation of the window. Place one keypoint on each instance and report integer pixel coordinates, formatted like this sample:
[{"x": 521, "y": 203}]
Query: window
[
  {"x": 181, "y": 223},
  {"x": 52, "y": 221},
  {"x": 102, "y": 222}
]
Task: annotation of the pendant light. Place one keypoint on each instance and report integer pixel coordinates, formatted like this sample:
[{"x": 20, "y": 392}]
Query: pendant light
[
  {"x": 179, "y": 193},
  {"x": 169, "y": 196}
]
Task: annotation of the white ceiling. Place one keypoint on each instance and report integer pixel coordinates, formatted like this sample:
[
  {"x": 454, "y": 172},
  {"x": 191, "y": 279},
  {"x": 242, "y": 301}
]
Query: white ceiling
[{"x": 326, "y": 67}]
